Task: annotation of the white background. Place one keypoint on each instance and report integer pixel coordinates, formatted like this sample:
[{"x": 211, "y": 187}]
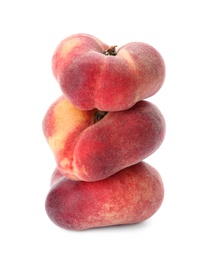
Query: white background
[{"x": 182, "y": 32}]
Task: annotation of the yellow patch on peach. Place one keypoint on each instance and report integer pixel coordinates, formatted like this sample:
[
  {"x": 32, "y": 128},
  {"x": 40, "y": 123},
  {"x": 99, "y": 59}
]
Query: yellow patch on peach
[
  {"x": 83, "y": 171},
  {"x": 65, "y": 163},
  {"x": 125, "y": 54},
  {"x": 64, "y": 167},
  {"x": 67, "y": 118},
  {"x": 68, "y": 46},
  {"x": 110, "y": 213}
]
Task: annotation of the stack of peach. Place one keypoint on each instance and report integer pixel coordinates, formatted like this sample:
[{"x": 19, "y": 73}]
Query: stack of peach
[{"x": 100, "y": 130}]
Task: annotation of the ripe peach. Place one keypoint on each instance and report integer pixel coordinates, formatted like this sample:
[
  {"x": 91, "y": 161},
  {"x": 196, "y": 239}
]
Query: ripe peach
[
  {"x": 56, "y": 175},
  {"x": 90, "y": 148},
  {"x": 130, "y": 196},
  {"x": 92, "y": 74}
]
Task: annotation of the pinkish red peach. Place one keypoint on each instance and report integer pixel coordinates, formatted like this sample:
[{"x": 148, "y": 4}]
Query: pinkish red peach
[
  {"x": 89, "y": 149},
  {"x": 92, "y": 74},
  {"x": 130, "y": 196}
]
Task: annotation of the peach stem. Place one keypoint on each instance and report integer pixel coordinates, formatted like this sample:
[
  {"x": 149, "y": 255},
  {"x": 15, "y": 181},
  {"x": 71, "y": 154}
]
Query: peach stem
[{"x": 111, "y": 51}]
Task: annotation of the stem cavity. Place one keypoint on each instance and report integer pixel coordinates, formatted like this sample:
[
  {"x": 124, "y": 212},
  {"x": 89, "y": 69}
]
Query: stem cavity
[
  {"x": 111, "y": 51},
  {"x": 99, "y": 115}
]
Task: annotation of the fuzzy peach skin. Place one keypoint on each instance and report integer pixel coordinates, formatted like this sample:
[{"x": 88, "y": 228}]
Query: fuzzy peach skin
[
  {"x": 90, "y": 148},
  {"x": 90, "y": 78},
  {"x": 130, "y": 196},
  {"x": 56, "y": 175}
]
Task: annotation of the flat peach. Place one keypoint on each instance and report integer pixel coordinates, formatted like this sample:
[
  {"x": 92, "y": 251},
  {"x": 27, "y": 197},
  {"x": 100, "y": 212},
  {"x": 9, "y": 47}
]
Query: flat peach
[
  {"x": 90, "y": 148},
  {"x": 92, "y": 74},
  {"x": 132, "y": 195}
]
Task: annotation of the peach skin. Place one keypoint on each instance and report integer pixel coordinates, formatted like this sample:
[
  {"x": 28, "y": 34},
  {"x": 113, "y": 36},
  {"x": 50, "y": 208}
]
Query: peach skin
[
  {"x": 92, "y": 74},
  {"x": 130, "y": 196},
  {"x": 92, "y": 145},
  {"x": 56, "y": 175}
]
